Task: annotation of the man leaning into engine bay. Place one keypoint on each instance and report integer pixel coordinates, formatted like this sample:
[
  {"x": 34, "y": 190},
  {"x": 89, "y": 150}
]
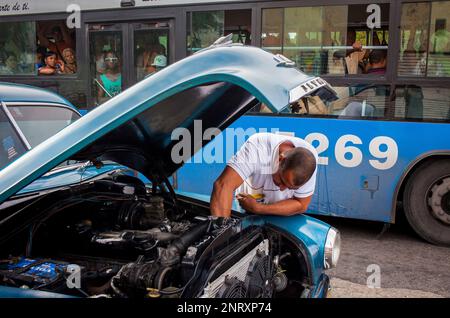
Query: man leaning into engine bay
[{"x": 272, "y": 174}]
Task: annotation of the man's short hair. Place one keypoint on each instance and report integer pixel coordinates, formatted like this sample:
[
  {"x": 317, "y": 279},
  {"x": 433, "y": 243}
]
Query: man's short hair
[
  {"x": 302, "y": 162},
  {"x": 377, "y": 56}
]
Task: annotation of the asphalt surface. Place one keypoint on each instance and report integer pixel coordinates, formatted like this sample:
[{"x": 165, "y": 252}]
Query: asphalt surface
[{"x": 408, "y": 266}]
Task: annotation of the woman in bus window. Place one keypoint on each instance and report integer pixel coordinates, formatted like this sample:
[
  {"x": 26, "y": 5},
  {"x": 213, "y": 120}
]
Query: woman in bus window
[
  {"x": 110, "y": 82},
  {"x": 70, "y": 66}
]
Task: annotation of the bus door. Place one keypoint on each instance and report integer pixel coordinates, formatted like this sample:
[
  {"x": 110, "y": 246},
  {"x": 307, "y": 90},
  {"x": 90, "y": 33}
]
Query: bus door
[
  {"x": 121, "y": 54},
  {"x": 151, "y": 48}
]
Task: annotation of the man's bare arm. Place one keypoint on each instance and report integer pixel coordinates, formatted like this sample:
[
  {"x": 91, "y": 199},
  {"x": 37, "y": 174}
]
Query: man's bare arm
[
  {"x": 285, "y": 208},
  {"x": 222, "y": 195}
]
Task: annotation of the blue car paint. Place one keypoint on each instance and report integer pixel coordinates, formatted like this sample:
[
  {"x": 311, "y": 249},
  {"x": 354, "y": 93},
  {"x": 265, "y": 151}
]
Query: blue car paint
[
  {"x": 29, "y": 95},
  {"x": 12, "y": 92},
  {"x": 340, "y": 190},
  {"x": 68, "y": 176},
  {"x": 14, "y": 292},
  {"x": 237, "y": 65}
]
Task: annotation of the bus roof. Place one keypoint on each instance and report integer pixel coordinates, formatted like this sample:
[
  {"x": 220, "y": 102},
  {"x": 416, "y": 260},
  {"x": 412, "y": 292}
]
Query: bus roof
[{"x": 12, "y": 92}]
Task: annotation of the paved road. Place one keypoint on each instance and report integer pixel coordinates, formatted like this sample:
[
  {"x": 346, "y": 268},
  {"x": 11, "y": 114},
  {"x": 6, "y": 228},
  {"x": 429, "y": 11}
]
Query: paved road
[{"x": 409, "y": 267}]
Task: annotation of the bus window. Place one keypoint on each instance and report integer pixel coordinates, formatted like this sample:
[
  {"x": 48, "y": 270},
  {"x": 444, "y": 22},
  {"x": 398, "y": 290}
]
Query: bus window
[
  {"x": 439, "y": 44},
  {"x": 335, "y": 40},
  {"x": 423, "y": 103},
  {"x": 17, "y": 48},
  {"x": 414, "y": 39},
  {"x": 55, "y": 52},
  {"x": 422, "y": 24},
  {"x": 30, "y": 48},
  {"x": 105, "y": 48},
  {"x": 151, "y": 44},
  {"x": 272, "y": 30},
  {"x": 205, "y": 27},
  {"x": 359, "y": 101}
]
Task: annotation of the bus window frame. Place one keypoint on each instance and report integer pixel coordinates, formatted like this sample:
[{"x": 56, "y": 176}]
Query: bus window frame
[
  {"x": 45, "y": 17},
  {"x": 131, "y": 32}
]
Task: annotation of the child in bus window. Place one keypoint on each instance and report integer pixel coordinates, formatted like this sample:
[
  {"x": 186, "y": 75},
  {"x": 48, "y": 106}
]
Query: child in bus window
[{"x": 52, "y": 65}]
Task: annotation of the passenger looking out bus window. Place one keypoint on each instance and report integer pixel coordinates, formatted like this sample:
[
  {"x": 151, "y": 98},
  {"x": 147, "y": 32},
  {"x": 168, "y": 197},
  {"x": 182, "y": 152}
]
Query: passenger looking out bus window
[
  {"x": 110, "y": 82},
  {"x": 11, "y": 66},
  {"x": 377, "y": 62},
  {"x": 39, "y": 61},
  {"x": 55, "y": 37},
  {"x": 70, "y": 66},
  {"x": 152, "y": 59},
  {"x": 159, "y": 62},
  {"x": 100, "y": 59},
  {"x": 354, "y": 59},
  {"x": 331, "y": 39},
  {"x": 149, "y": 57},
  {"x": 52, "y": 65}
]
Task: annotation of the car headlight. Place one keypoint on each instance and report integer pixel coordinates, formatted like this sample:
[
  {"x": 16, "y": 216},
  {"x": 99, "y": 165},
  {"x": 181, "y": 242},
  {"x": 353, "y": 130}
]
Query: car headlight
[{"x": 332, "y": 248}]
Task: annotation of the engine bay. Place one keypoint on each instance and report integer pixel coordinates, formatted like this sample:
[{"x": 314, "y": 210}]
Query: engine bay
[{"x": 116, "y": 237}]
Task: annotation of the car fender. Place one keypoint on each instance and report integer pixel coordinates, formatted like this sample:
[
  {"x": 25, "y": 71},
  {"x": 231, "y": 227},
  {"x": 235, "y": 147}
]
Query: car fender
[{"x": 307, "y": 232}]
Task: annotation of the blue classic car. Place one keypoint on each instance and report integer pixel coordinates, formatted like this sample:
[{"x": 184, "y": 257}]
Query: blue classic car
[
  {"x": 95, "y": 229},
  {"x": 28, "y": 116}
]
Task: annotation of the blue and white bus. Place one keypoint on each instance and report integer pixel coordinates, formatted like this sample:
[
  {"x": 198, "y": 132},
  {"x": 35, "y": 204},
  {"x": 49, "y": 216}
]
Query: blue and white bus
[{"x": 385, "y": 140}]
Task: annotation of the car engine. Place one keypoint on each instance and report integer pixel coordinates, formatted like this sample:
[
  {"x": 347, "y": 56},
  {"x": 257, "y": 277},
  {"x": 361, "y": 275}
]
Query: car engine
[{"x": 117, "y": 238}]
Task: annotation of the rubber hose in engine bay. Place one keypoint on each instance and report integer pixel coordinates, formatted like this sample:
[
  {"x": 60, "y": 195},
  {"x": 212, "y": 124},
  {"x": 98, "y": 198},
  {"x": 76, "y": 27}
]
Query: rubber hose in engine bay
[{"x": 173, "y": 253}]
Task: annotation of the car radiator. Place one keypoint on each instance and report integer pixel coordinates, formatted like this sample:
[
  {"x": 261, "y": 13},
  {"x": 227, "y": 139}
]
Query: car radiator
[{"x": 238, "y": 270}]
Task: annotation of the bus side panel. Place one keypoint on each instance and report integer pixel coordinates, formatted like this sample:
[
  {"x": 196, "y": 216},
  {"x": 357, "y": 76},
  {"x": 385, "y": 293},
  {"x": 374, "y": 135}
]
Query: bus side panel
[{"x": 360, "y": 165}]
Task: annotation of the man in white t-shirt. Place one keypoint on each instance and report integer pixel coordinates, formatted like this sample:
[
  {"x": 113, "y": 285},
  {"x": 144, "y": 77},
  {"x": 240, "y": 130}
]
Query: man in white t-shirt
[{"x": 279, "y": 170}]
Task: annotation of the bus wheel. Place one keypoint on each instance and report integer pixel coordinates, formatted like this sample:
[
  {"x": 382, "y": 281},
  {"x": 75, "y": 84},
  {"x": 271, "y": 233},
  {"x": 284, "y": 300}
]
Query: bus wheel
[{"x": 427, "y": 202}]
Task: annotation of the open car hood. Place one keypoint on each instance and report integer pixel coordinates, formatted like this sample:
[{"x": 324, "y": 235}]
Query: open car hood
[{"x": 135, "y": 127}]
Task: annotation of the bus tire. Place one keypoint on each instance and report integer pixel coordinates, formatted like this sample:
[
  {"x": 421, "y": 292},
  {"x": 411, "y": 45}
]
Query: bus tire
[{"x": 427, "y": 201}]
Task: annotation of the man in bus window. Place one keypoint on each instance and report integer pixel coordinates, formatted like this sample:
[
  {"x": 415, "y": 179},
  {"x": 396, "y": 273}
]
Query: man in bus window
[
  {"x": 271, "y": 174},
  {"x": 52, "y": 65},
  {"x": 355, "y": 57},
  {"x": 377, "y": 62}
]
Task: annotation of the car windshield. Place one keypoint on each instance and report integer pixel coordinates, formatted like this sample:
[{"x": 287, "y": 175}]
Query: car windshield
[{"x": 39, "y": 123}]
